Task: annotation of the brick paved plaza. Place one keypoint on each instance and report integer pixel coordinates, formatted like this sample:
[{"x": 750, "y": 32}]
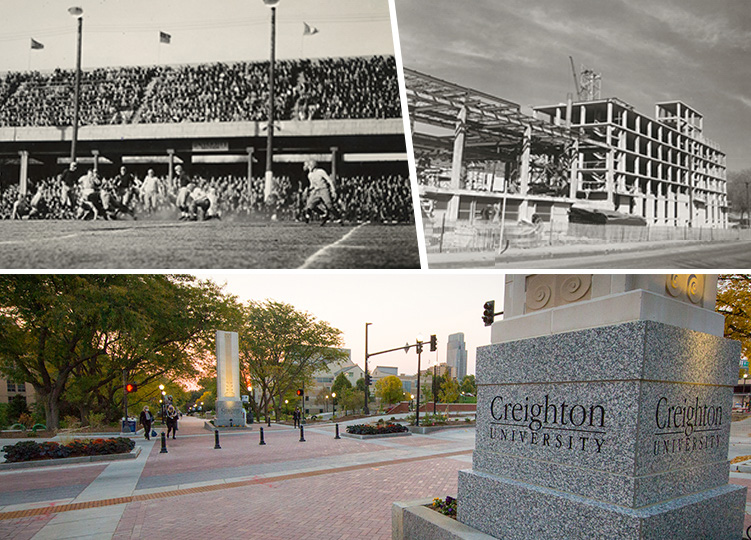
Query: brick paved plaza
[{"x": 322, "y": 488}]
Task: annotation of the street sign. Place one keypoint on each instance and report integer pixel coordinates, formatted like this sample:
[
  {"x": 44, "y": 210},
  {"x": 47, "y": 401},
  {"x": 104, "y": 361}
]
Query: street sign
[{"x": 744, "y": 363}]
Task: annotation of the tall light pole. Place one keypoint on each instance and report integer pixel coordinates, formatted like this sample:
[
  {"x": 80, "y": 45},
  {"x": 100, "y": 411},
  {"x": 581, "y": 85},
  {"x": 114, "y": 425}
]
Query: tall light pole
[
  {"x": 270, "y": 130},
  {"x": 748, "y": 210},
  {"x": 745, "y": 376},
  {"x": 78, "y": 13},
  {"x": 365, "y": 409},
  {"x": 419, "y": 357},
  {"x": 333, "y": 402}
]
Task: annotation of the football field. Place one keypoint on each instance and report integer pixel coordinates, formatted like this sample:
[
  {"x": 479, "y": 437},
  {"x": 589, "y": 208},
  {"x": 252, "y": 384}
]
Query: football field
[{"x": 158, "y": 244}]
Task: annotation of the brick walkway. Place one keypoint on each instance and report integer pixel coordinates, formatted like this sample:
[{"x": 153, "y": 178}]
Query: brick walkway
[{"x": 320, "y": 488}]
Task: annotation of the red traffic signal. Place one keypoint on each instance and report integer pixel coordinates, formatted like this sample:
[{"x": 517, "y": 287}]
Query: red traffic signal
[
  {"x": 131, "y": 387},
  {"x": 299, "y": 392}
]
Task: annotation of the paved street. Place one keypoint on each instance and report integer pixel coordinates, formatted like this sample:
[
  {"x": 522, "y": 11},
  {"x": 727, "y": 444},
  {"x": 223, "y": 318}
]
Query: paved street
[
  {"x": 647, "y": 255},
  {"x": 322, "y": 488}
]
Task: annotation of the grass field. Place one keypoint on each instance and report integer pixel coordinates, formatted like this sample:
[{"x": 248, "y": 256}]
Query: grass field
[{"x": 160, "y": 244}]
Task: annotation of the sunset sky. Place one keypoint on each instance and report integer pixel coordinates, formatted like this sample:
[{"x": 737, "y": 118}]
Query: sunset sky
[{"x": 400, "y": 306}]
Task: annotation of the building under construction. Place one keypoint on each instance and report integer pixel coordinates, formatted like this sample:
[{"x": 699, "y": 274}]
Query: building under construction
[{"x": 479, "y": 157}]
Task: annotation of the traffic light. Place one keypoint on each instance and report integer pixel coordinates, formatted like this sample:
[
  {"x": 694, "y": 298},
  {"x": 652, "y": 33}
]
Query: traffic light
[
  {"x": 299, "y": 392},
  {"x": 488, "y": 313},
  {"x": 131, "y": 387},
  {"x": 433, "y": 343}
]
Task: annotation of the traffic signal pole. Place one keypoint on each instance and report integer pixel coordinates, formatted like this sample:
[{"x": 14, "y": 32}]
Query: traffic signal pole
[
  {"x": 417, "y": 345},
  {"x": 125, "y": 398},
  {"x": 366, "y": 409}
]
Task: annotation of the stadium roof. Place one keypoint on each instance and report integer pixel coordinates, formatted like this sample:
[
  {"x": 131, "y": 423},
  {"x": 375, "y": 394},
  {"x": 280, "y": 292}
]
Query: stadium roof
[{"x": 494, "y": 125}]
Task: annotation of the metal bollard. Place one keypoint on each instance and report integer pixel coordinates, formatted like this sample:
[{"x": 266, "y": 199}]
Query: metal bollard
[
  {"x": 164, "y": 444},
  {"x": 302, "y": 434},
  {"x": 337, "y": 432},
  {"x": 262, "y": 441},
  {"x": 216, "y": 440}
]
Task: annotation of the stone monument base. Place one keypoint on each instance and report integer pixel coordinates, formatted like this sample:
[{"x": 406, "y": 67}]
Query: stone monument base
[
  {"x": 528, "y": 511},
  {"x": 229, "y": 414}
]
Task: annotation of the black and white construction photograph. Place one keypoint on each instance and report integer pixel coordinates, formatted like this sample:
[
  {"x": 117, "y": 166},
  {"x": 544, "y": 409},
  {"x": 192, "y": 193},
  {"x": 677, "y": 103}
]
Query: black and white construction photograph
[
  {"x": 188, "y": 134},
  {"x": 575, "y": 134}
]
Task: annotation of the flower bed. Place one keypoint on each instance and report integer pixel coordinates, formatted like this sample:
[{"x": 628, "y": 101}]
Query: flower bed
[
  {"x": 34, "y": 451},
  {"x": 368, "y": 429},
  {"x": 446, "y": 507}
]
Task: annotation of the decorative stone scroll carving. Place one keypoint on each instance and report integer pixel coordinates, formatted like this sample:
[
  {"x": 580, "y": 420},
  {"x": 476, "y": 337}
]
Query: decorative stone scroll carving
[
  {"x": 682, "y": 286},
  {"x": 546, "y": 291}
]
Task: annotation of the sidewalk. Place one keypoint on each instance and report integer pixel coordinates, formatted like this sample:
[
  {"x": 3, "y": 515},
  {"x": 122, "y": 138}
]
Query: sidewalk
[
  {"x": 320, "y": 488},
  {"x": 479, "y": 259}
]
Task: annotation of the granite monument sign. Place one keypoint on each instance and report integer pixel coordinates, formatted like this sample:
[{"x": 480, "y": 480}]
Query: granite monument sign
[{"x": 229, "y": 408}]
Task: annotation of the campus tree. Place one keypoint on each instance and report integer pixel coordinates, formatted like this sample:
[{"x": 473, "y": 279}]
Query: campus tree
[
  {"x": 734, "y": 302},
  {"x": 281, "y": 348},
  {"x": 449, "y": 390},
  {"x": 341, "y": 385},
  {"x": 389, "y": 389},
  {"x": 468, "y": 385},
  {"x": 74, "y": 337}
]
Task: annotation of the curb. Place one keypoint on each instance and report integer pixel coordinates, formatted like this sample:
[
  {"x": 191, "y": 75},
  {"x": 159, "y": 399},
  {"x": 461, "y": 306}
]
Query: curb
[
  {"x": 380, "y": 436},
  {"x": 422, "y": 430},
  {"x": 133, "y": 454}
]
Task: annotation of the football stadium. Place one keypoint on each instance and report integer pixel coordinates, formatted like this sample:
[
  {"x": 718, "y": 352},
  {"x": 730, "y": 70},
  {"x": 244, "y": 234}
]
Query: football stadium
[{"x": 164, "y": 151}]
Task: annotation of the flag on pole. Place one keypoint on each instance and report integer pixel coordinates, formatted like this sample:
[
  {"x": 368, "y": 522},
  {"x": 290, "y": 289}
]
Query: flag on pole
[
  {"x": 165, "y": 38},
  {"x": 309, "y": 30},
  {"x": 36, "y": 45}
]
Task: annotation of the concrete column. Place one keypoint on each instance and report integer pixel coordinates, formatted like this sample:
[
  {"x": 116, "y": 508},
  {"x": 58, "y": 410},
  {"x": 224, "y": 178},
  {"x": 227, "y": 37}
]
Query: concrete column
[
  {"x": 452, "y": 211},
  {"x": 250, "y": 151},
  {"x": 524, "y": 171},
  {"x": 171, "y": 166},
  {"x": 23, "y": 176},
  {"x": 95, "y": 153},
  {"x": 334, "y": 159},
  {"x": 574, "y": 174}
]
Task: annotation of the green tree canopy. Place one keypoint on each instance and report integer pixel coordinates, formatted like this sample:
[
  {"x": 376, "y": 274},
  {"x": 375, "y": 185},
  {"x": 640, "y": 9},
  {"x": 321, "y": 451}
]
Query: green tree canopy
[
  {"x": 341, "y": 384},
  {"x": 281, "y": 347},
  {"x": 449, "y": 391},
  {"x": 389, "y": 389},
  {"x": 468, "y": 385},
  {"x": 75, "y": 337}
]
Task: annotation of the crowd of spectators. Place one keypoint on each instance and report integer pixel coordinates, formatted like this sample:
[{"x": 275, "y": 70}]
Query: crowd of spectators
[
  {"x": 335, "y": 88},
  {"x": 386, "y": 198}
]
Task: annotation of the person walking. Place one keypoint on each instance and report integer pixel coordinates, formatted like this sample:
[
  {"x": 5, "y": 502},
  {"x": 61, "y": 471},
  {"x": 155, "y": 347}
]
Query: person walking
[
  {"x": 171, "y": 420},
  {"x": 146, "y": 419},
  {"x": 296, "y": 417}
]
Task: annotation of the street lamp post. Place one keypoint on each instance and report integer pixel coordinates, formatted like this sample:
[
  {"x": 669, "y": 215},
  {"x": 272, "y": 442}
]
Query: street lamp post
[
  {"x": 745, "y": 405},
  {"x": 252, "y": 399},
  {"x": 333, "y": 404},
  {"x": 161, "y": 401},
  {"x": 270, "y": 130},
  {"x": 78, "y": 13},
  {"x": 419, "y": 357},
  {"x": 365, "y": 409},
  {"x": 435, "y": 389},
  {"x": 327, "y": 403}
]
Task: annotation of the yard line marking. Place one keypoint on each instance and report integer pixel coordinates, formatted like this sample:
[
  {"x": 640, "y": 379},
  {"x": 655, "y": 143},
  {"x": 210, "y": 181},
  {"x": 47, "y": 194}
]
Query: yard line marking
[
  {"x": 217, "y": 487},
  {"x": 310, "y": 260}
]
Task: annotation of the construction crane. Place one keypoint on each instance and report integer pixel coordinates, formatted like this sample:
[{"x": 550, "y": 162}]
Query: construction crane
[{"x": 588, "y": 84}]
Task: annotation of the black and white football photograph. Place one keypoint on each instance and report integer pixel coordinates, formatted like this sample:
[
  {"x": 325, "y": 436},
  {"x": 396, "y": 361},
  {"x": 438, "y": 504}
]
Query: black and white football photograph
[{"x": 189, "y": 134}]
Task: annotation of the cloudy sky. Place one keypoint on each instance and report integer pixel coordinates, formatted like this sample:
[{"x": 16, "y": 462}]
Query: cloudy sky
[
  {"x": 646, "y": 50},
  {"x": 400, "y": 306},
  {"x": 127, "y": 32}
]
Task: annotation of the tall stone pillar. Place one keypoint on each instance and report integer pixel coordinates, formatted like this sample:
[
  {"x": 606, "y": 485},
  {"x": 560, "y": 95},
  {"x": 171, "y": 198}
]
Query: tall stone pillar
[
  {"x": 229, "y": 408},
  {"x": 603, "y": 411}
]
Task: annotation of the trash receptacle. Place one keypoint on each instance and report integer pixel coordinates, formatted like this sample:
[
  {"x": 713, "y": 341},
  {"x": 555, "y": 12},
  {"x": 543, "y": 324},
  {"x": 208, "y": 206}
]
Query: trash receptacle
[{"x": 129, "y": 425}]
